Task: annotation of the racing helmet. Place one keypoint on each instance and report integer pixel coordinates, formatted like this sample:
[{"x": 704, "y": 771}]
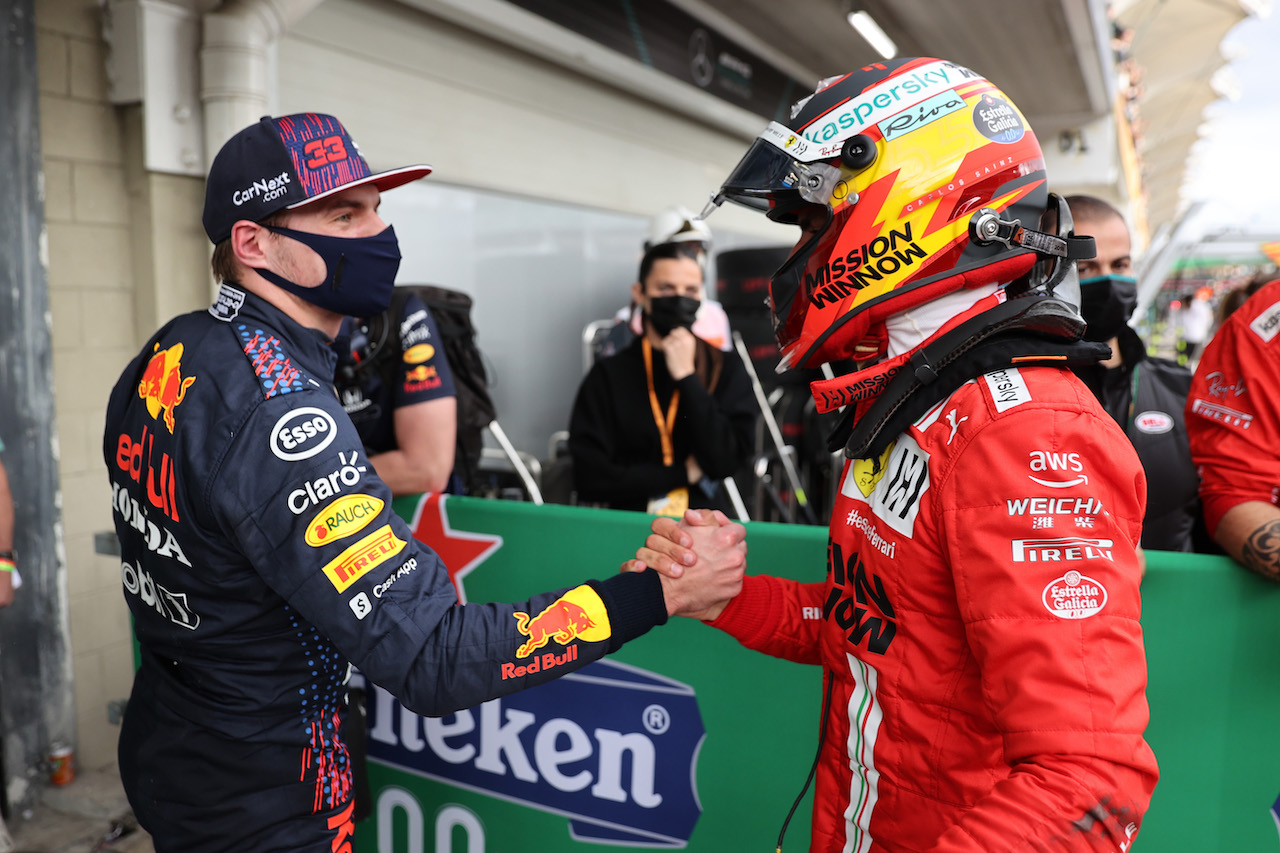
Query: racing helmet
[
  {"x": 900, "y": 173},
  {"x": 677, "y": 224}
]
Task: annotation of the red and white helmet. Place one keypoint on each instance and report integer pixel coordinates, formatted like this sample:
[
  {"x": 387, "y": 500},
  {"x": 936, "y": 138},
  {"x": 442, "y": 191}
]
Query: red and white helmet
[{"x": 904, "y": 156}]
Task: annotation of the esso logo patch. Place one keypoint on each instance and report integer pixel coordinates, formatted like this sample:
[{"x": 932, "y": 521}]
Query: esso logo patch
[
  {"x": 303, "y": 433},
  {"x": 1153, "y": 423}
]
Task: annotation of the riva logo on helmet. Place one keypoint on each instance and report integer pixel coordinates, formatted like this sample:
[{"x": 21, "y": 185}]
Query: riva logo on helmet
[
  {"x": 997, "y": 120},
  {"x": 884, "y": 101},
  {"x": 921, "y": 114},
  {"x": 302, "y": 433},
  {"x": 263, "y": 189},
  {"x": 885, "y": 255}
]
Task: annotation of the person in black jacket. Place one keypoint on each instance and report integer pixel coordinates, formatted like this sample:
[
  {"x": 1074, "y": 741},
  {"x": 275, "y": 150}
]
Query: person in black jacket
[
  {"x": 658, "y": 426},
  {"x": 399, "y": 392},
  {"x": 260, "y": 553},
  {"x": 1145, "y": 395}
]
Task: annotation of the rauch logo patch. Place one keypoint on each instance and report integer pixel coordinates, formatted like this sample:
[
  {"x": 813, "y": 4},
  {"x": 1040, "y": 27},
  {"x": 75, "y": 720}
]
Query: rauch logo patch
[{"x": 345, "y": 516}]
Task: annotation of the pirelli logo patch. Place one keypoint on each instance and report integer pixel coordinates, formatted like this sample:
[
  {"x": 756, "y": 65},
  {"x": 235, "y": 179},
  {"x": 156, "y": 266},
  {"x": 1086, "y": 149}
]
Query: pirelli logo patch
[{"x": 371, "y": 551}]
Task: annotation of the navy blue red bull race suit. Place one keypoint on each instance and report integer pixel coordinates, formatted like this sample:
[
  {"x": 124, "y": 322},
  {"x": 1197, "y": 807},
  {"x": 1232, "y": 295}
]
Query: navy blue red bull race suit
[{"x": 260, "y": 555}]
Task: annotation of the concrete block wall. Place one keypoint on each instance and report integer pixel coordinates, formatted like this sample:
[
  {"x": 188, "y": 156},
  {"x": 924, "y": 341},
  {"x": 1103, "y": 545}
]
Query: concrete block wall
[{"x": 92, "y": 303}]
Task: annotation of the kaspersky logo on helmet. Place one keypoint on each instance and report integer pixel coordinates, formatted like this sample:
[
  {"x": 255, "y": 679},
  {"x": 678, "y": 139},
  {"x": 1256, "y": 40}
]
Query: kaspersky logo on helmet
[{"x": 881, "y": 102}]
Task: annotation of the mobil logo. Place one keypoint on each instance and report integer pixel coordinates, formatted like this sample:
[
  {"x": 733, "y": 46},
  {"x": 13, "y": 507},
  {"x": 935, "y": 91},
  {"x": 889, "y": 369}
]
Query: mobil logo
[{"x": 611, "y": 747}]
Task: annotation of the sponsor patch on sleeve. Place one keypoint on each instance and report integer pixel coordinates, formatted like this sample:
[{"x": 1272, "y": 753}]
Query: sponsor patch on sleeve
[
  {"x": 1074, "y": 596},
  {"x": 1267, "y": 323},
  {"x": 1008, "y": 388},
  {"x": 344, "y": 517},
  {"x": 578, "y": 614},
  {"x": 371, "y": 551}
]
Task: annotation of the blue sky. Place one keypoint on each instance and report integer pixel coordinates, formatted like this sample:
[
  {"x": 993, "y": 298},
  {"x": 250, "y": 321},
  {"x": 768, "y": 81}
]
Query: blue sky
[{"x": 1235, "y": 167}]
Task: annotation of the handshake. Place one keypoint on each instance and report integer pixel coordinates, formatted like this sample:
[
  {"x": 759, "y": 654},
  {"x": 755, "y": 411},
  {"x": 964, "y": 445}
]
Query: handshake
[{"x": 701, "y": 560}]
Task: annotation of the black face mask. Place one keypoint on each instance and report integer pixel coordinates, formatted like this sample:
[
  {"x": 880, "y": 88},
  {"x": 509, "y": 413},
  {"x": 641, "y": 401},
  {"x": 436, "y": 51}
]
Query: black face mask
[
  {"x": 1106, "y": 302},
  {"x": 672, "y": 312},
  {"x": 361, "y": 271}
]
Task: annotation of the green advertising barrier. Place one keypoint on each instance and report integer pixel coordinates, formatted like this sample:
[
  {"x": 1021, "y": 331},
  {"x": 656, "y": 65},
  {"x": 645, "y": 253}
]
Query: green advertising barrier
[{"x": 685, "y": 739}]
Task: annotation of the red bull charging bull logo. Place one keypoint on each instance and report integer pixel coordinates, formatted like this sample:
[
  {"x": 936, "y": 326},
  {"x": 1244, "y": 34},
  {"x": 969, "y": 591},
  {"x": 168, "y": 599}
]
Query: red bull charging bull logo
[
  {"x": 578, "y": 614},
  {"x": 162, "y": 385}
]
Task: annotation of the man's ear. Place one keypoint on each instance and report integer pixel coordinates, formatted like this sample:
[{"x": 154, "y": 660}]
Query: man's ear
[
  {"x": 637, "y": 293},
  {"x": 248, "y": 242}
]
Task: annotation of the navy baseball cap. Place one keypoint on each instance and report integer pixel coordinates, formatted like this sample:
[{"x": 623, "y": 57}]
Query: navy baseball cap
[{"x": 286, "y": 162}]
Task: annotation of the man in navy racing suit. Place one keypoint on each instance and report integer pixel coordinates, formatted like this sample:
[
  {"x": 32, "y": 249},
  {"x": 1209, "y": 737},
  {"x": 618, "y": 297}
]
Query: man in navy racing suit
[{"x": 258, "y": 544}]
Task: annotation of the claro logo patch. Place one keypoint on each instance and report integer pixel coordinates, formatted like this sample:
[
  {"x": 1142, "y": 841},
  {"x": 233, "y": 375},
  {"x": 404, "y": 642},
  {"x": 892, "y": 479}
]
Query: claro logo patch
[
  {"x": 373, "y": 550},
  {"x": 344, "y": 517},
  {"x": 303, "y": 433}
]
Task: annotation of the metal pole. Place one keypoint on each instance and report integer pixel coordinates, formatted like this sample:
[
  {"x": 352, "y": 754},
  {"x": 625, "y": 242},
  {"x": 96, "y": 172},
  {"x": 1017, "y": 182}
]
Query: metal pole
[
  {"x": 535, "y": 494},
  {"x": 771, "y": 423}
]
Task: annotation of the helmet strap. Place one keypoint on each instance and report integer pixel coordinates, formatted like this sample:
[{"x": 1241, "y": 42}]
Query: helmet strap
[{"x": 1034, "y": 330}]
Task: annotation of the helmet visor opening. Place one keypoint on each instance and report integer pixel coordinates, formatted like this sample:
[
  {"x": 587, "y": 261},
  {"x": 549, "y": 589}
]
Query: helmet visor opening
[
  {"x": 766, "y": 173},
  {"x": 788, "y": 292}
]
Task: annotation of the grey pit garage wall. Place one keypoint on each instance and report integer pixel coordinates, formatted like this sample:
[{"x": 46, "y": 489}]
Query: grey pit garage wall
[{"x": 538, "y": 272}]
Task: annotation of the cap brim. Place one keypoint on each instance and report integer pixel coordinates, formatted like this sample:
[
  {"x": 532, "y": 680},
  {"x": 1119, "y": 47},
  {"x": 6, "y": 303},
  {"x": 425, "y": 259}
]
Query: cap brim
[{"x": 382, "y": 180}]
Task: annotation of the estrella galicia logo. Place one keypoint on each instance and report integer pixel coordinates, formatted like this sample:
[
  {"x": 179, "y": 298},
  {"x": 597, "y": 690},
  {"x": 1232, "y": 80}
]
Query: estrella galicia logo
[
  {"x": 302, "y": 433},
  {"x": 997, "y": 120},
  {"x": 611, "y": 746}
]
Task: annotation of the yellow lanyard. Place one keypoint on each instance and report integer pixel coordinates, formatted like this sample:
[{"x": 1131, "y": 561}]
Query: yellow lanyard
[{"x": 664, "y": 426}]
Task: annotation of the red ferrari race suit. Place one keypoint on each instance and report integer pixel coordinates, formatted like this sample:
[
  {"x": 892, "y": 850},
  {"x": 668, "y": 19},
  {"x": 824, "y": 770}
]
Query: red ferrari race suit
[
  {"x": 985, "y": 675},
  {"x": 1233, "y": 410}
]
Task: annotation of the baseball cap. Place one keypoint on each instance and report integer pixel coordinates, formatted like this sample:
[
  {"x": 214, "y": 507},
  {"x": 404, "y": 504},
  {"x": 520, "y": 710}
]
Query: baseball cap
[{"x": 286, "y": 162}]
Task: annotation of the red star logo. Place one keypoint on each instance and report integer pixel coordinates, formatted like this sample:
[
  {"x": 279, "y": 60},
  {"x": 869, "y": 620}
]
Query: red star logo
[{"x": 459, "y": 551}]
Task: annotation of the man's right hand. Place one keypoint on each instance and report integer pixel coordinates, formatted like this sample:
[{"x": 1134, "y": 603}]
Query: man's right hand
[
  {"x": 680, "y": 348},
  {"x": 701, "y": 561}
]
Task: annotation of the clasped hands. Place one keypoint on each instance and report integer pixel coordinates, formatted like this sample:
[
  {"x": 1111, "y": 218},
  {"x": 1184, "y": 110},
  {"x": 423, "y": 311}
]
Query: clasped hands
[{"x": 700, "y": 560}]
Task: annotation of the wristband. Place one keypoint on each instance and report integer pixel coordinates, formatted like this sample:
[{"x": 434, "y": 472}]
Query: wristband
[
  {"x": 7, "y": 565},
  {"x": 6, "y": 555}
]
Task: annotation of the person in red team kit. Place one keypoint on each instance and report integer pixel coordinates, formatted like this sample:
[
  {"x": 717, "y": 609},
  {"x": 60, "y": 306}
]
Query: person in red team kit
[
  {"x": 1233, "y": 422},
  {"x": 984, "y": 685}
]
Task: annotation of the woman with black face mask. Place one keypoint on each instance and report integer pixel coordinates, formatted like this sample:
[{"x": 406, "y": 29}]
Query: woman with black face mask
[
  {"x": 1145, "y": 395},
  {"x": 657, "y": 426}
]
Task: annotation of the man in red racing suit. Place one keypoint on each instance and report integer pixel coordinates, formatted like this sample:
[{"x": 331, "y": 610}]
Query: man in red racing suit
[
  {"x": 978, "y": 626},
  {"x": 1233, "y": 423},
  {"x": 985, "y": 673}
]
